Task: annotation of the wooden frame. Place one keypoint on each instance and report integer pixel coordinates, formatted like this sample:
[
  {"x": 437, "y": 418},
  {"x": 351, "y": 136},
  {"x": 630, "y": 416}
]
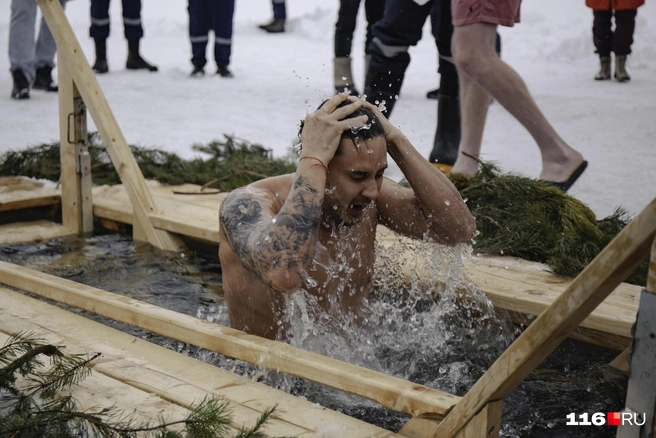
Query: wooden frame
[{"x": 75, "y": 68}]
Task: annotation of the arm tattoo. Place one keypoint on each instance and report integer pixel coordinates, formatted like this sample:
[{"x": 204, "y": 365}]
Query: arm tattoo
[{"x": 265, "y": 245}]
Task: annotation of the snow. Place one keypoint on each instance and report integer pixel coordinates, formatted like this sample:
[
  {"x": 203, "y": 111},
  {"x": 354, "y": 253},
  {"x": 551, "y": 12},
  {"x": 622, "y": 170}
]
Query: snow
[{"x": 279, "y": 78}]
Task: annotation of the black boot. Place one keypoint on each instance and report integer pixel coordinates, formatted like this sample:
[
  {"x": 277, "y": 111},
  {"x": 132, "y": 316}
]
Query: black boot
[
  {"x": 277, "y": 25},
  {"x": 43, "y": 80},
  {"x": 223, "y": 71},
  {"x": 21, "y": 89},
  {"x": 135, "y": 61},
  {"x": 447, "y": 136},
  {"x": 100, "y": 66},
  {"x": 385, "y": 101}
]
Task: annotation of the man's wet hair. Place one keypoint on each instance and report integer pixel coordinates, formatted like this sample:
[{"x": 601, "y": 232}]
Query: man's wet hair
[{"x": 372, "y": 128}]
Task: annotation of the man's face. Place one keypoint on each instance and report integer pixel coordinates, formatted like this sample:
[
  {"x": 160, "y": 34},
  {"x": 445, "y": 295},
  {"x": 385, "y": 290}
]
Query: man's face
[{"x": 355, "y": 178}]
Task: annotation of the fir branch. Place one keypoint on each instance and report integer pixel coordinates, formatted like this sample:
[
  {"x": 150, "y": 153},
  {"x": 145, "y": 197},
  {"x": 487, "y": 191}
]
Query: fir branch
[
  {"x": 255, "y": 431},
  {"x": 65, "y": 372}
]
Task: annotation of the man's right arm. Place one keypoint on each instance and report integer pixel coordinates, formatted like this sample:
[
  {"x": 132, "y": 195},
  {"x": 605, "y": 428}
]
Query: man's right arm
[{"x": 275, "y": 247}]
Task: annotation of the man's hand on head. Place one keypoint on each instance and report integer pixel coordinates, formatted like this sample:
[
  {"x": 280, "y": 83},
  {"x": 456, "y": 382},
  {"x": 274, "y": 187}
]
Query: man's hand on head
[
  {"x": 392, "y": 133},
  {"x": 323, "y": 129}
]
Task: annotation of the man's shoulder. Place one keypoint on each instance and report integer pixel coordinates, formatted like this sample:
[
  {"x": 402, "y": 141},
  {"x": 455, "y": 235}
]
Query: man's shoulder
[{"x": 274, "y": 189}]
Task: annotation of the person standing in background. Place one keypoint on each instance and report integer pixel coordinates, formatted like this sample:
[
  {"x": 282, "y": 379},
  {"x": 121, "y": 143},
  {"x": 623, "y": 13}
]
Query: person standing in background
[
  {"x": 215, "y": 15},
  {"x": 31, "y": 62},
  {"x": 133, "y": 31},
  {"x": 277, "y": 25},
  {"x": 618, "y": 41},
  {"x": 483, "y": 74},
  {"x": 344, "y": 29}
]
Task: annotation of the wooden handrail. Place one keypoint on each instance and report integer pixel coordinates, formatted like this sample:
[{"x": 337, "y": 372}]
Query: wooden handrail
[
  {"x": 76, "y": 64},
  {"x": 391, "y": 392},
  {"x": 620, "y": 257}
]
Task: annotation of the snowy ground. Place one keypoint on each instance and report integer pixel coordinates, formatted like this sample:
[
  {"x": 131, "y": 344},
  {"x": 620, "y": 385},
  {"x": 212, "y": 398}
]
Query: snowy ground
[{"x": 278, "y": 78}]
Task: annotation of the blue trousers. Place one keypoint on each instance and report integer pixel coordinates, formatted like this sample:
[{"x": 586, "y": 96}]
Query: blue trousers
[
  {"x": 279, "y": 9},
  {"x": 131, "y": 19},
  {"x": 401, "y": 28},
  {"x": 25, "y": 53},
  {"x": 206, "y": 15}
]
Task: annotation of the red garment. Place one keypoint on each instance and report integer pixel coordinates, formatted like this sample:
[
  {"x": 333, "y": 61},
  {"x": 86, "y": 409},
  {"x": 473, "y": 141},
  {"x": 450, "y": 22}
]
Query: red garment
[{"x": 618, "y": 5}]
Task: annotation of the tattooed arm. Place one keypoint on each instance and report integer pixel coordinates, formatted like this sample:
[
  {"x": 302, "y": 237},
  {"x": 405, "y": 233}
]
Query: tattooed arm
[
  {"x": 276, "y": 242},
  {"x": 275, "y": 246}
]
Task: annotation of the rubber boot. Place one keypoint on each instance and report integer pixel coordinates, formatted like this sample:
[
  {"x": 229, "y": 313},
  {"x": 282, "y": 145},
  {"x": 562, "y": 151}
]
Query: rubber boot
[
  {"x": 277, "y": 25},
  {"x": 447, "y": 136},
  {"x": 343, "y": 76},
  {"x": 604, "y": 68},
  {"x": 135, "y": 61},
  {"x": 100, "y": 66},
  {"x": 620, "y": 69},
  {"x": 385, "y": 101}
]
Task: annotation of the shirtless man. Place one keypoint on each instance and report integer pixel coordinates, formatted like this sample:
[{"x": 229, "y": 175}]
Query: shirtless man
[{"x": 315, "y": 229}]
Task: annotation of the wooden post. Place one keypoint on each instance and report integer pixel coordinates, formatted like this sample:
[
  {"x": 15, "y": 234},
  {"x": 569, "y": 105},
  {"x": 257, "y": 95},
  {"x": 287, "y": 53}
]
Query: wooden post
[
  {"x": 641, "y": 393},
  {"x": 620, "y": 257},
  {"x": 77, "y": 207},
  {"x": 72, "y": 56}
]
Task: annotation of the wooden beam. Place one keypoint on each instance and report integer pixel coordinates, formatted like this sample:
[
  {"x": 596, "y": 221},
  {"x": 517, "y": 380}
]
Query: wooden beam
[
  {"x": 621, "y": 362},
  {"x": 391, "y": 392},
  {"x": 71, "y": 55},
  {"x": 622, "y": 255},
  {"x": 485, "y": 424},
  {"x": 75, "y": 174}
]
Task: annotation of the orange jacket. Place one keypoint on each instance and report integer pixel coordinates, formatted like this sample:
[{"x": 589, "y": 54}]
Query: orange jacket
[{"x": 618, "y": 5}]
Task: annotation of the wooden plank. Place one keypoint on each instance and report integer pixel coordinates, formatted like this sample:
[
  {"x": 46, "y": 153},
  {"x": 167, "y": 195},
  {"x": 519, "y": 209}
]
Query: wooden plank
[
  {"x": 391, "y": 392},
  {"x": 98, "y": 391},
  {"x": 169, "y": 376},
  {"x": 419, "y": 428},
  {"x": 17, "y": 193},
  {"x": 175, "y": 213},
  {"x": 485, "y": 424},
  {"x": 35, "y": 231},
  {"x": 621, "y": 362},
  {"x": 622, "y": 255},
  {"x": 70, "y": 52}
]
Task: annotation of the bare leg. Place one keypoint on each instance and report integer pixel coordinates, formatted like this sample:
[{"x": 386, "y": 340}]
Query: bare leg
[
  {"x": 473, "y": 49},
  {"x": 474, "y": 103}
]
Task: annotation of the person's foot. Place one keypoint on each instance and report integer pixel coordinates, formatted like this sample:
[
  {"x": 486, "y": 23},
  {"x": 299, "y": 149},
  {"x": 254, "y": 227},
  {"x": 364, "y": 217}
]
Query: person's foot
[
  {"x": 100, "y": 66},
  {"x": 197, "y": 72},
  {"x": 43, "y": 80},
  {"x": 223, "y": 71},
  {"x": 21, "y": 88},
  {"x": 564, "y": 172},
  {"x": 277, "y": 25},
  {"x": 465, "y": 165},
  {"x": 136, "y": 62}
]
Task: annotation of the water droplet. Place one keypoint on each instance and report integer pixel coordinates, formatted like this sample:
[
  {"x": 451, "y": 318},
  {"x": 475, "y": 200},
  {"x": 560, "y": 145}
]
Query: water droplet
[
  {"x": 273, "y": 221},
  {"x": 447, "y": 202}
]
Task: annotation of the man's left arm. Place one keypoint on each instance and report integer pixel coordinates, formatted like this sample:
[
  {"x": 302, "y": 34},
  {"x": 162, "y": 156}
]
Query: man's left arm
[{"x": 433, "y": 208}]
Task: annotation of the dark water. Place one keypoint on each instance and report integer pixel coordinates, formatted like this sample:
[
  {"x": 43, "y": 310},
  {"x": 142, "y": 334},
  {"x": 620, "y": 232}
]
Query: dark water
[{"x": 444, "y": 343}]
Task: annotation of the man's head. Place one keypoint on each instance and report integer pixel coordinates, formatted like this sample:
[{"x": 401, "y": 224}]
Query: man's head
[
  {"x": 373, "y": 127},
  {"x": 356, "y": 170}
]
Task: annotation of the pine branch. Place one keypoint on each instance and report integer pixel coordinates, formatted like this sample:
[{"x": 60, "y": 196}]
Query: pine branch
[
  {"x": 66, "y": 371},
  {"x": 255, "y": 431}
]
